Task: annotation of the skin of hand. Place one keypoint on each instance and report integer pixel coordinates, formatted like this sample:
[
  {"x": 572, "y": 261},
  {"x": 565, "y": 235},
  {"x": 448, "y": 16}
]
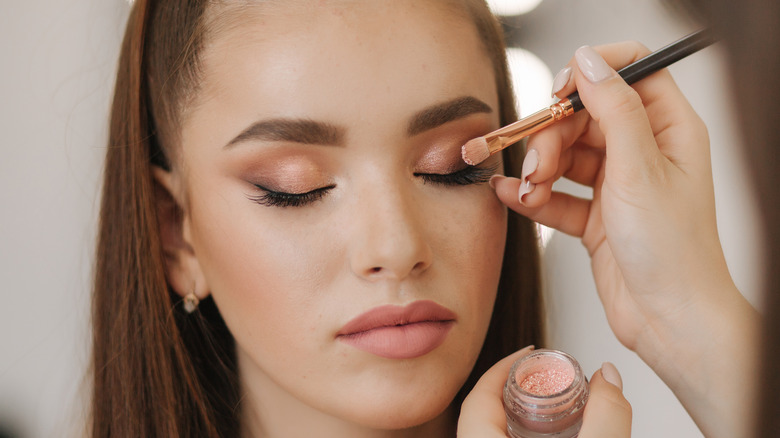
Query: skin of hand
[
  {"x": 607, "y": 414},
  {"x": 650, "y": 230},
  {"x": 482, "y": 411}
]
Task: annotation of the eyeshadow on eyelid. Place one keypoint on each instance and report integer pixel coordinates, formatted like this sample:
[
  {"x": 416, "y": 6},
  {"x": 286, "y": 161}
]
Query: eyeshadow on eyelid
[
  {"x": 442, "y": 158},
  {"x": 442, "y": 150},
  {"x": 289, "y": 175}
]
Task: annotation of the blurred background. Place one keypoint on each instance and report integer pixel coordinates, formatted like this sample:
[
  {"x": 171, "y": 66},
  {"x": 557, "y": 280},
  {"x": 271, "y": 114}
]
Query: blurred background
[{"x": 58, "y": 67}]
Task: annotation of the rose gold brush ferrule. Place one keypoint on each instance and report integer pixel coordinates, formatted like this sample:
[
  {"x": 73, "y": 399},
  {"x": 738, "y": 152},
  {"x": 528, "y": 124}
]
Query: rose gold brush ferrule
[{"x": 511, "y": 134}]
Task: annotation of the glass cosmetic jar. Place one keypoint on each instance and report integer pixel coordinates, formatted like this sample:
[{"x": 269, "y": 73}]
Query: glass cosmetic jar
[{"x": 545, "y": 395}]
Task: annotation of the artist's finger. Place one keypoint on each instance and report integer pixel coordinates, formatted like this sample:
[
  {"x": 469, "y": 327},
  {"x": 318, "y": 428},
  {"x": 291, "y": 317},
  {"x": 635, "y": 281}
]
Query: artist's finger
[
  {"x": 535, "y": 195},
  {"x": 482, "y": 412},
  {"x": 665, "y": 104},
  {"x": 618, "y": 109},
  {"x": 563, "y": 212},
  {"x": 582, "y": 164},
  {"x": 608, "y": 413},
  {"x": 617, "y": 55},
  {"x": 544, "y": 150},
  {"x": 578, "y": 163}
]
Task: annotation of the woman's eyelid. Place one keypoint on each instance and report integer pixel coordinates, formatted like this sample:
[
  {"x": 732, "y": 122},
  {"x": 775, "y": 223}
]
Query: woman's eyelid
[
  {"x": 293, "y": 192},
  {"x": 466, "y": 176},
  {"x": 271, "y": 198},
  {"x": 492, "y": 168}
]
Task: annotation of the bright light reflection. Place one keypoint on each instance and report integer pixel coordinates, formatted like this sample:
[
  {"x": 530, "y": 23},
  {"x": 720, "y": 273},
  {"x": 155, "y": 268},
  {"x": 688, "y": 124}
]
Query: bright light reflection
[
  {"x": 512, "y": 7},
  {"x": 545, "y": 234},
  {"x": 532, "y": 81}
]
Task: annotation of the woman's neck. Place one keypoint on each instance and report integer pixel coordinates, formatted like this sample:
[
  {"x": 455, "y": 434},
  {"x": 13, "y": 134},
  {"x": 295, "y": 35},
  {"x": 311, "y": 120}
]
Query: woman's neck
[{"x": 269, "y": 411}]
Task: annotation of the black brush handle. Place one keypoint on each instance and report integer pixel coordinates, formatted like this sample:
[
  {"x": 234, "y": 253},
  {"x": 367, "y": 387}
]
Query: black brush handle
[{"x": 658, "y": 60}]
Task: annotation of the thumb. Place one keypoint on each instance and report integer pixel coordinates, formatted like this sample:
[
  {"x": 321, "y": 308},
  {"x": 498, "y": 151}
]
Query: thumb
[
  {"x": 608, "y": 413},
  {"x": 482, "y": 413},
  {"x": 619, "y": 112}
]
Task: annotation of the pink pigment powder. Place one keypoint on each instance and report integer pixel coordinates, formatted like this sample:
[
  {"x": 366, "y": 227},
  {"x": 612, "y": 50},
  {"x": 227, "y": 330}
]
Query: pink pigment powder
[{"x": 547, "y": 381}]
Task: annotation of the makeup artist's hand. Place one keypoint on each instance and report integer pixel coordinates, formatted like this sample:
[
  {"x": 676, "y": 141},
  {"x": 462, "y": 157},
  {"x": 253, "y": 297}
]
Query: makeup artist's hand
[
  {"x": 607, "y": 414},
  {"x": 482, "y": 413},
  {"x": 650, "y": 229}
]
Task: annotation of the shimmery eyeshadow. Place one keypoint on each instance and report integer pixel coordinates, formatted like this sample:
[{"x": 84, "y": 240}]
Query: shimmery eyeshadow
[
  {"x": 545, "y": 395},
  {"x": 548, "y": 381}
]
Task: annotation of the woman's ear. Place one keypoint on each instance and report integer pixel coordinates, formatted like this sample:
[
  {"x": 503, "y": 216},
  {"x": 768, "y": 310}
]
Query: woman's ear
[{"x": 182, "y": 268}]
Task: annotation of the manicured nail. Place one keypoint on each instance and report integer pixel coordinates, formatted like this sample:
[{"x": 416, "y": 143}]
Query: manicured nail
[
  {"x": 611, "y": 375},
  {"x": 493, "y": 179},
  {"x": 592, "y": 65},
  {"x": 525, "y": 188},
  {"x": 525, "y": 351},
  {"x": 530, "y": 163},
  {"x": 560, "y": 81}
]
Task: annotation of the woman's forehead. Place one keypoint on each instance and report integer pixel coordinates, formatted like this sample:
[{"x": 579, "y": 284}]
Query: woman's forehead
[{"x": 400, "y": 56}]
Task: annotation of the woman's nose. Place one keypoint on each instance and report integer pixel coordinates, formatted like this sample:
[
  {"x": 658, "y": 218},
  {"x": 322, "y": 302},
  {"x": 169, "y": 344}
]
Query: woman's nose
[{"x": 389, "y": 238}]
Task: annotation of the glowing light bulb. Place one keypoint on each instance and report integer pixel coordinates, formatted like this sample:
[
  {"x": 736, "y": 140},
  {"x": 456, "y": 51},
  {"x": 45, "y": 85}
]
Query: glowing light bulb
[
  {"x": 532, "y": 81},
  {"x": 512, "y": 7}
]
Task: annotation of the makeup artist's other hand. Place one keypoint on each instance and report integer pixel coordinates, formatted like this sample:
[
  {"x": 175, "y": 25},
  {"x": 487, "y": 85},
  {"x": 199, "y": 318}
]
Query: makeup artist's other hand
[
  {"x": 607, "y": 414},
  {"x": 650, "y": 228}
]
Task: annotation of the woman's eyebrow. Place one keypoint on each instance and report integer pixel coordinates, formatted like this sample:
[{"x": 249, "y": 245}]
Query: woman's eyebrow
[
  {"x": 442, "y": 113},
  {"x": 302, "y": 131}
]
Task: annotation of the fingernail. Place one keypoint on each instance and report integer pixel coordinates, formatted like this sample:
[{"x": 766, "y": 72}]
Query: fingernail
[
  {"x": 560, "y": 81},
  {"x": 592, "y": 65},
  {"x": 525, "y": 188},
  {"x": 611, "y": 375},
  {"x": 530, "y": 163},
  {"x": 493, "y": 179}
]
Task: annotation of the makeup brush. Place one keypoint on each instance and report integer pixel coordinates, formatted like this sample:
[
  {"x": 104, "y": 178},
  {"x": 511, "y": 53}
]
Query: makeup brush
[{"x": 479, "y": 149}]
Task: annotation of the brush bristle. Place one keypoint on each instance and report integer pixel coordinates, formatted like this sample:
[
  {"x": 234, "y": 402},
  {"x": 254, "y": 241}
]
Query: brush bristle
[{"x": 475, "y": 151}]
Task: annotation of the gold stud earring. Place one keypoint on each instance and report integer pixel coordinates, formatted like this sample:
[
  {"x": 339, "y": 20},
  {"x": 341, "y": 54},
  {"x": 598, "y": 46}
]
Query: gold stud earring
[{"x": 191, "y": 302}]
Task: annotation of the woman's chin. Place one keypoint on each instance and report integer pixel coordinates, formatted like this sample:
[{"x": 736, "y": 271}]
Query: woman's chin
[{"x": 401, "y": 415}]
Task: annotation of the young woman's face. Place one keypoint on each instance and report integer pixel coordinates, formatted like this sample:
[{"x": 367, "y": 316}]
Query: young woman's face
[{"x": 322, "y": 172}]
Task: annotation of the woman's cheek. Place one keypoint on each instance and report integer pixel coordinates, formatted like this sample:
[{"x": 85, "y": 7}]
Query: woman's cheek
[
  {"x": 484, "y": 234},
  {"x": 472, "y": 243},
  {"x": 257, "y": 266}
]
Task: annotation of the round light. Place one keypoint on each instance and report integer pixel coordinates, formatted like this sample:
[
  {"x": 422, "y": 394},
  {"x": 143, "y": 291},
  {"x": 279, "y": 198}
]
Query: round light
[
  {"x": 531, "y": 79},
  {"x": 512, "y": 7}
]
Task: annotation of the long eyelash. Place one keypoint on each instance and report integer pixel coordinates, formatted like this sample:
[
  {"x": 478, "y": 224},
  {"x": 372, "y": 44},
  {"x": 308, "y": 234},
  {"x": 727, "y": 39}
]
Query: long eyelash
[
  {"x": 466, "y": 176},
  {"x": 463, "y": 177},
  {"x": 281, "y": 199}
]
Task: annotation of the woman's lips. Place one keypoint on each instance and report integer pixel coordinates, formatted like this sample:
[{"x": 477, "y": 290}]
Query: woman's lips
[{"x": 396, "y": 332}]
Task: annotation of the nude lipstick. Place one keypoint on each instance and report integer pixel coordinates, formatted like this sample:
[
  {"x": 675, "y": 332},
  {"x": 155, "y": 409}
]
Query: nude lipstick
[{"x": 399, "y": 332}]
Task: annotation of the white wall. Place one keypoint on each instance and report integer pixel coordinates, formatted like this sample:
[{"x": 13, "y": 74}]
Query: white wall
[{"x": 58, "y": 61}]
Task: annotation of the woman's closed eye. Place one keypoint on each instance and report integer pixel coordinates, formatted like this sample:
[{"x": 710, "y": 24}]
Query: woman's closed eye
[
  {"x": 273, "y": 198},
  {"x": 466, "y": 176}
]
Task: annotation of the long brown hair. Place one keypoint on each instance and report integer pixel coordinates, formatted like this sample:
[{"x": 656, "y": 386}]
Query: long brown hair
[{"x": 156, "y": 370}]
